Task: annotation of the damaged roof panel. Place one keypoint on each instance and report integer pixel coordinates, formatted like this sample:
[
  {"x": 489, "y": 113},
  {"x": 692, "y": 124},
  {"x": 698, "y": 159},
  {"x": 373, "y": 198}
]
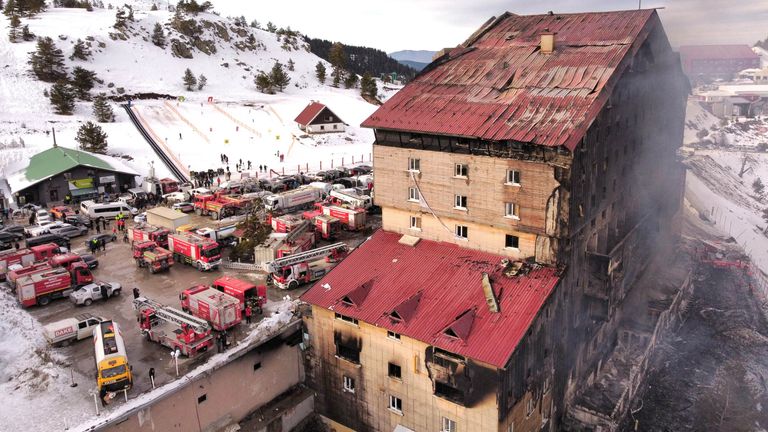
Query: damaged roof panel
[
  {"x": 502, "y": 88},
  {"x": 424, "y": 290}
]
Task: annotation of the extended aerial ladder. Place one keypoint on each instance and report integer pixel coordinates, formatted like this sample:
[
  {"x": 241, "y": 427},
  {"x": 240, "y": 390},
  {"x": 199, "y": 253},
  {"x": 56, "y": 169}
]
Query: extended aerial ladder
[
  {"x": 173, "y": 315},
  {"x": 310, "y": 255}
]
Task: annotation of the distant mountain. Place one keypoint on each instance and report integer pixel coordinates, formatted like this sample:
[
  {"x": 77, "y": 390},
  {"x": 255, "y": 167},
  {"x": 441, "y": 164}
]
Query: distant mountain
[
  {"x": 421, "y": 56},
  {"x": 414, "y": 64},
  {"x": 362, "y": 59}
]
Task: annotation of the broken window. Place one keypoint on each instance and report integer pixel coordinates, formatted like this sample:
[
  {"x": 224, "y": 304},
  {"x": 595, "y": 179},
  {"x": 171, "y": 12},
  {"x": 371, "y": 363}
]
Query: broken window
[
  {"x": 393, "y": 335},
  {"x": 346, "y": 318},
  {"x": 347, "y": 348},
  {"x": 447, "y": 425},
  {"x": 394, "y": 371},
  {"x": 511, "y": 242}
]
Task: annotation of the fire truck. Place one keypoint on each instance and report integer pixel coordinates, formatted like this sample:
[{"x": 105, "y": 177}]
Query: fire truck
[
  {"x": 350, "y": 199},
  {"x": 352, "y": 219},
  {"x": 220, "y": 309},
  {"x": 45, "y": 284},
  {"x": 326, "y": 226},
  {"x": 284, "y": 223},
  {"x": 25, "y": 257},
  {"x": 300, "y": 239},
  {"x": 291, "y": 271},
  {"x": 149, "y": 255},
  {"x": 246, "y": 293},
  {"x": 218, "y": 205},
  {"x": 172, "y": 328},
  {"x": 113, "y": 374},
  {"x": 286, "y": 202},
  {"x": 149, "y": 233},
  {"x": 192, "y": 249}
]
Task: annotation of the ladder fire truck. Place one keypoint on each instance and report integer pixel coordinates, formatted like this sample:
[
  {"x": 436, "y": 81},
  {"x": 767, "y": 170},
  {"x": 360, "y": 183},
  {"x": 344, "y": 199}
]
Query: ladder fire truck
[
  {"x": 173, "y": 328},
  {"x": 303, "y": 267}
]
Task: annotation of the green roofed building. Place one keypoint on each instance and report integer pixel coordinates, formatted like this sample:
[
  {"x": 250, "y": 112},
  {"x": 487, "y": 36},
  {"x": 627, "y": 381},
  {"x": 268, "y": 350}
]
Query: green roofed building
[{"x": 60, "y": 173}]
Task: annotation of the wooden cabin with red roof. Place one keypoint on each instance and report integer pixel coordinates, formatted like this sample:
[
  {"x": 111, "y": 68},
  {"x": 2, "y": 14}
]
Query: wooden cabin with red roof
[{"x": 318, "y": 118}]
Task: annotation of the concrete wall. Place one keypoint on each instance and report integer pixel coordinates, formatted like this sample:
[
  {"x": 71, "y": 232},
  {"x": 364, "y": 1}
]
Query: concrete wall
[
  {"x": 324, "y": 128},
  {"x": 230, "y": 393}
]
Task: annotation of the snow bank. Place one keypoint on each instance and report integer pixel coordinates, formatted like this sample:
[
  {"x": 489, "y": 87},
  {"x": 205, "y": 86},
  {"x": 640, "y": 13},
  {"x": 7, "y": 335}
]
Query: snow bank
[{"x": 32, "y": 375}]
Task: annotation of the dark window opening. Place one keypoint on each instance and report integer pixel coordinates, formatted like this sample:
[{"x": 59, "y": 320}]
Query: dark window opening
[
  {"x": 394, "y": 371},
  {"x": 449, "y": 392},
  {"x": 202, "y": 399},
  {"x": 257, "y": 366},
  {"x": 511, "y": 241},
  {"x": 349, "y": 353}
]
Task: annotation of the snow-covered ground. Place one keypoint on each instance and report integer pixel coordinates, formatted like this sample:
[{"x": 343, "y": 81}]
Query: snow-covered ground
[
  {"x": 34, "y": 377},
  {"x": 714, "y": 186},
  {"x": 137, "y": 66}
]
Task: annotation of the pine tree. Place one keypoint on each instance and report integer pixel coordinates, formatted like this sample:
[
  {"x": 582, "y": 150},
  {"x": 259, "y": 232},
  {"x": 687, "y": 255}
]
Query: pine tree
[
  {"x": 351, "y": 80},
  {"x": 13, "y": 33},
  {"x": 80, "y": 51},
  {"x": 88, "y": 6},
  {"x": 47, "y": 61},
  {"x": 368, "y": 86},
  {"x": 83, "y": 81},
  {"x": 263, "y": 83},
  {"x": 10, "y": 8},
  {"x": 320, "y": 72},
  {"x": 120, "y": 18},
  {"x": 189, "y": 80},
  {"x": 278, "y": 77},
  {"x": 62, "y": 98},
  {"x": 102, "y": 110},
  {"x": 271, "y": 27},
  {"x": 158, "y": 36},
  {"x": 201, "y": 82},
  {"x": 92, "y": 138},
  {"x": 26, "y": 34},
  {"x": 338, "y": 60},
  {"x": 291, "y": 65},
  {"x": 154, "y": 7},
  {"x": 1, "y": 4},
  {"x": 255, "y": 24}
]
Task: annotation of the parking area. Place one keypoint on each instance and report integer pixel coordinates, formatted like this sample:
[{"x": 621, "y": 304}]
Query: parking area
[{"x": 117, "y": 265}]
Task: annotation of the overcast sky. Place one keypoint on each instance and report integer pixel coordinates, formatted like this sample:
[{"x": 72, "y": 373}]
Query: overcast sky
[{"x": 395, "y": 25}]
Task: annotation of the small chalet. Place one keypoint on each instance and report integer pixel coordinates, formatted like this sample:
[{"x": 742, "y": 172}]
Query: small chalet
[{"x": 317, "y": 118}]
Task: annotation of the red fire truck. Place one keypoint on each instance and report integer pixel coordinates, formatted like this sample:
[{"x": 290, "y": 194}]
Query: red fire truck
[
  {"x": 327, "y": 226},
  {"x": 149, "y": 255},
  {"x": 284, "y": 223},
  {"x": 192, "y": 249},
  {"x": 25, "y": 257},
  {"x": 291, "y": 271},
  {"x": 44, "y": 285},
  {"x": 172, "y": 328},
  {"x": 220, "y": 309},
  {"x": 149, "y": 233},
  {"x": 245, "y": 292},
  {"x": 351, "y": 219}
]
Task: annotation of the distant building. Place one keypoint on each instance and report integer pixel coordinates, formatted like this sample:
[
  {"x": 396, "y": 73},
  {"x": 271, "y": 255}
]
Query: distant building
[
  {"x": 518, "y": 215},
  {"x": 703, "y": 63},
  {"x": 318, "y": 118},
  {"x": 51, "y": 175}
]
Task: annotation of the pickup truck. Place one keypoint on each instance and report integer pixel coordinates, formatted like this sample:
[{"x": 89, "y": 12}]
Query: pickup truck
[
  {"x": 62, "y": 333},
  {"x": 95, "y": 291}
]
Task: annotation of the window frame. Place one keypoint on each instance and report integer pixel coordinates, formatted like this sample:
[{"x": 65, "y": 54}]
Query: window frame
[
  {"x": 393, "y": 335},
  {"x": 414, "y": 192},
  {"x": 458, "y": 200},
  {"x": 461, "y": 170},
  {"x": 514, "y": 214},
  {"x": 513, "y": 173},
  {"x": 506, "y": 236},
  {"x": 448, "y": 425},
  {"x": 414, "y": 164},
  {"x": 345, "y": 384},
  {"x": 393, "y": 407},
  {"x": 457, "y": 229},
  {"x": 394, "y": 367},
  {"x": 415, "y": 226}
]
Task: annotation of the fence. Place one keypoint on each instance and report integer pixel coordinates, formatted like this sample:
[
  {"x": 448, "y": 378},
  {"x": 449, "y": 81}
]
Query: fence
[{"x": 240, "y": 266}]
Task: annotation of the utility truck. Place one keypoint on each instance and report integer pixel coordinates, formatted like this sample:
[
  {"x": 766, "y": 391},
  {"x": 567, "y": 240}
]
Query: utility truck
[
  {"x": 172, "y": 328},
  {"x": 113, "y": 373},
  {"x": 302, "y": 198},
  {"x": 154, "y": 258},
  {"x": 66, "y": 331},
  {"x": 218, "y": 308},
  {"x": 201, "y": 252},
  {"x": 304, "y": 267}
]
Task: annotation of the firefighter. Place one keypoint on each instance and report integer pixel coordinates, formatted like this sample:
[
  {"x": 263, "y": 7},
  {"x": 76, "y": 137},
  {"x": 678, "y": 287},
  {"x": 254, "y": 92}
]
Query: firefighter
[{"x": 248, "y": 312}]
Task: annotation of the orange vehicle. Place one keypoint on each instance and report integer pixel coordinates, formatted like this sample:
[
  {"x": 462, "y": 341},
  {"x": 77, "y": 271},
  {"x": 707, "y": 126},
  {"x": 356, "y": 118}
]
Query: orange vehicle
[
  {"x": 219, "y": 206},
  {"x": 151, "y": 256},
  {"x": 61, "y": 212}
]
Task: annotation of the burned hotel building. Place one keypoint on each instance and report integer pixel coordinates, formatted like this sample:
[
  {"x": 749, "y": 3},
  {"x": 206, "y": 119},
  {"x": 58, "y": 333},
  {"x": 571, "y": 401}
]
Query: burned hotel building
[{"x": 524, "y": 178}]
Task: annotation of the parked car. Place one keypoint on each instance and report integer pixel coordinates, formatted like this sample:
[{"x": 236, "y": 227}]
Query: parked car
[
  {"x": 16, "y": 229},
  {"x": 105, "y": 237},
  {"x": 361, "y": 169},
  {"x": 61, "y": 212},
  {"x": 43, "y": 228},
  {"x": 86, "y": 294},
  {"x": 140, "y": 218},
  {"x": 91, "y": 261},
  {"x": 69, "y": 231},
  {"x": 10, "y": 237},
  {"x": 79, "y": 220},
  {"x": 42, "y": 216},
  {"x": 175, "y": 197},
  {"x": 62, "y": 333},
  {"x": 185, "y": 207}
]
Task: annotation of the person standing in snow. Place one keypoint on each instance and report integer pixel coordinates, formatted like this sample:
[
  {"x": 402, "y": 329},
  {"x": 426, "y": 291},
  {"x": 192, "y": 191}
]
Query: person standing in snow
[{"x": 248, "y": 312}]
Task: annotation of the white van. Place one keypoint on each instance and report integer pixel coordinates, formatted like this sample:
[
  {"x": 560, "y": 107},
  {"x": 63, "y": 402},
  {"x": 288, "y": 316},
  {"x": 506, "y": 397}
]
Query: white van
[
  {"x": 106, "y": 210},
  {"x": 71, "y": 329}
]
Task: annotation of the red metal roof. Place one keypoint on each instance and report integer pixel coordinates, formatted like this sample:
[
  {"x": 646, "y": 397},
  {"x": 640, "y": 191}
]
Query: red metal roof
[
  {"x": 436, "y": 289},
  {"x": 309, "y": 113},
  {"x": 720, "y": 52},
  {"x": 498, "y": 86}
]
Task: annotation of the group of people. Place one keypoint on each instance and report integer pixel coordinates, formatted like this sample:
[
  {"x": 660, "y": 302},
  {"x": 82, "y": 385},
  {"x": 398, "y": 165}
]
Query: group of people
[{"x": 97, "y": 243}]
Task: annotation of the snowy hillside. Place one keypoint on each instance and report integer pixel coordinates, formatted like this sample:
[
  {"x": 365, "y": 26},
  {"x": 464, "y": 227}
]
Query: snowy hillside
[{"x": 127, "y": 61}]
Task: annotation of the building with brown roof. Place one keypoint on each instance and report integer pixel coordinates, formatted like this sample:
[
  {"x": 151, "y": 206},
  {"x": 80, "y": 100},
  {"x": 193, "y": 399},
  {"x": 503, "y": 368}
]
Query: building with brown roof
[
  {"x": 711, "y": 62},
  {"x": 318, "y": 118},
  {"x": 543, "y": 142}
]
